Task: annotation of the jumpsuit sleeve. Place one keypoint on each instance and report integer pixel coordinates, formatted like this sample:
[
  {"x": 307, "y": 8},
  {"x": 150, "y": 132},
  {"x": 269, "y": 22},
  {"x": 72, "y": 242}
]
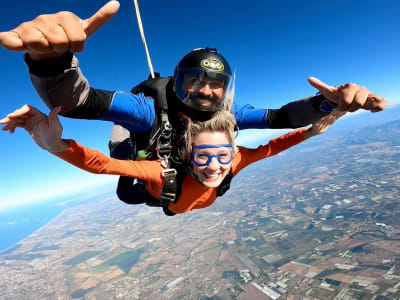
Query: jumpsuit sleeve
[
  {"x": 295, "y": 114},
  {"x": 95, "y": 162},
  {"x": 247, "y": 156},
  {"x": 60, "y": 82}
]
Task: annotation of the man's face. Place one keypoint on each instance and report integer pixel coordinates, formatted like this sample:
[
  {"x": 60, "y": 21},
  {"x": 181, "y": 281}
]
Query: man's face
[{"x": 204, "y": 93}]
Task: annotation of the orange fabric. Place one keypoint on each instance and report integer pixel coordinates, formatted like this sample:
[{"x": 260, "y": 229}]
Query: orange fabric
[{"x": 193, "y": 195}]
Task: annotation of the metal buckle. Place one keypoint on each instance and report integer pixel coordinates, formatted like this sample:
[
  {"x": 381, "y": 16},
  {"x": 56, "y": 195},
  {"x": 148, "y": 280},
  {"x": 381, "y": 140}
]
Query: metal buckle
[
  {"x": 168, "y": 172},
  {"x": 166, "y": 199}
]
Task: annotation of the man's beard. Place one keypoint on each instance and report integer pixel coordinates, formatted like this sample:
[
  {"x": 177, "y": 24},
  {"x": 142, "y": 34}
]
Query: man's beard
[{"x": 202, "y": 102}]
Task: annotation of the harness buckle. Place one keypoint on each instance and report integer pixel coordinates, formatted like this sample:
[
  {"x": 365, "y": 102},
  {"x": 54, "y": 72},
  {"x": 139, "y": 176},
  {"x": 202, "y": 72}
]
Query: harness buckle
[
  {"x": 164, "y": 151},
  {"x": 164, "y": 141},
  {"x": 168, "y": 172},
  {"x": 166, "y": 198},
  {"x": 169, "y": 191}
]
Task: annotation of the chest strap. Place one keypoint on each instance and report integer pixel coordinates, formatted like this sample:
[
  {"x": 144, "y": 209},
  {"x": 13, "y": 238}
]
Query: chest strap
[{"x": 168, "y": 193}]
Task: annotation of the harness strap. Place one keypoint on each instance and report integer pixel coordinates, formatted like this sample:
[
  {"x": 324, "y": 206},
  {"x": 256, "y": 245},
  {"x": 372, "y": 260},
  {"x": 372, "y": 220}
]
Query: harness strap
[
  {"x": 164, "y": 147},
  {"x": 168, "y": 193},
  {"x": 225, "y": 184}
]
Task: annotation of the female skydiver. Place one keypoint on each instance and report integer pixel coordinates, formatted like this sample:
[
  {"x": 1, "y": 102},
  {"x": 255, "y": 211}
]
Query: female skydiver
[{"x": 209, "y": 156}]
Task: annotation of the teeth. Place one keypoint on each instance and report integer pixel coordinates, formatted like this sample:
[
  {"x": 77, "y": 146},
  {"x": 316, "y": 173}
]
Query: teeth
[{"x": 211, "y": 175}]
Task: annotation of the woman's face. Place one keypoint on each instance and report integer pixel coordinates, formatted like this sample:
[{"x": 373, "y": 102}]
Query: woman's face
[{"x": 212, "y": 174}]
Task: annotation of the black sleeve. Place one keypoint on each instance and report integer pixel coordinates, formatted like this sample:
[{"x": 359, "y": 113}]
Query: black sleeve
[
  {"x": 49, "y": 67},
  {"x": 297, "y": 114},
  {"x": 96, "y": 104}
]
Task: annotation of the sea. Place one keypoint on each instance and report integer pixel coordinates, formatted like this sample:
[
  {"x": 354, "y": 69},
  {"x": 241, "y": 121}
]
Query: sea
[{"x": 19, "y": 223}]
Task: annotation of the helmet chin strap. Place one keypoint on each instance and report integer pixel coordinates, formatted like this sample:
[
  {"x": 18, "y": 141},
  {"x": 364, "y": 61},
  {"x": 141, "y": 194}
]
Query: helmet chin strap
[{"x": 139, "y": 19}]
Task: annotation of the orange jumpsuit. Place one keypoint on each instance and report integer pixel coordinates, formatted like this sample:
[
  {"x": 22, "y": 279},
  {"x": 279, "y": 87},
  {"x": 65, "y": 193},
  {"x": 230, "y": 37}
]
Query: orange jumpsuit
[{"x": 193, "y": 194}]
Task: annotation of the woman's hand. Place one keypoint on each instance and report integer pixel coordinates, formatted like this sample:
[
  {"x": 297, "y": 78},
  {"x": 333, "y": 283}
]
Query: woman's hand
[
  {"x": 323, "y": 124},
  {"x": 45, "y": 130}
]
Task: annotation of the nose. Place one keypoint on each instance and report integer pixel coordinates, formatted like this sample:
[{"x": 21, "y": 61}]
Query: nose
[
  {"x": 214, "y": 163},
  {"x": 205, "y": 89}
]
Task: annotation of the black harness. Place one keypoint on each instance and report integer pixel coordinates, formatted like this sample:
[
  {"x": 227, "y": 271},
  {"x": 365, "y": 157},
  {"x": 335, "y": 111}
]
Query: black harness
[{"x": 163, "y": 140}]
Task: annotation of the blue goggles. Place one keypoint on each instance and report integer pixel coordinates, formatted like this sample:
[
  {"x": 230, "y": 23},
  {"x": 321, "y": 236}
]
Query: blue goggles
[{"x": 202, "y": 155}]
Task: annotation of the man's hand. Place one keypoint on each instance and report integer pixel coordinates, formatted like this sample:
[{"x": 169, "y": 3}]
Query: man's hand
[
  {"x": 349, "y": 97},
  {"x": 45, "y": 130},
  {"x": 50, "y": 36}
]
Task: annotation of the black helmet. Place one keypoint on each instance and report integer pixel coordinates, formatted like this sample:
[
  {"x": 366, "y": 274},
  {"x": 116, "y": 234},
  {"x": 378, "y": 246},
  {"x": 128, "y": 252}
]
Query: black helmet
[{"x": 202, "y": 67}]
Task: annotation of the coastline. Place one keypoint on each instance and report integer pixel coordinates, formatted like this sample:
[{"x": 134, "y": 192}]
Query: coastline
[
  {"x": 20, "y": 227},
  {"x": 21, "y": 223}
]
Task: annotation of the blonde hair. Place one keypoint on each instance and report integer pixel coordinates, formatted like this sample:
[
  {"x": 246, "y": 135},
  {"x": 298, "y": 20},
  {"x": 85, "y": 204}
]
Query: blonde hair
[{"x": 222, "y": 121}]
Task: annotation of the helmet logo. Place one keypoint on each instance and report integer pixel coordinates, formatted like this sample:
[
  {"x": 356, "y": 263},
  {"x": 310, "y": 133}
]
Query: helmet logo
[{"x": 212, "y": 64}]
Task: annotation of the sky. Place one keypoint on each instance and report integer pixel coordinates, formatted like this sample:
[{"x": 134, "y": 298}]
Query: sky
[{"x": 272, "y": 45}]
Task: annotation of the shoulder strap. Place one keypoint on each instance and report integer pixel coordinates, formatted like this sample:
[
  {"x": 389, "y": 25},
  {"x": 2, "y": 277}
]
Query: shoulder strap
[
  {"x": 157, "y": 90},
  {"x": 161, "y": 134},
  {"x": 225, "y": 184}
]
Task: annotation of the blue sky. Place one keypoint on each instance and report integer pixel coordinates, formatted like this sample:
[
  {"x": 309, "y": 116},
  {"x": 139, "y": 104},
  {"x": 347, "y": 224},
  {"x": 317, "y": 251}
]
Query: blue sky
[{"x": 272, "y": 46}]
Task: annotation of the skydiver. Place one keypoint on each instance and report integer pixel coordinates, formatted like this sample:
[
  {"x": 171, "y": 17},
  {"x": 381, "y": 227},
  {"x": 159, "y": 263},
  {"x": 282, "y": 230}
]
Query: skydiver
[
  {"x": 210, "y": 156},
  {"x": 197, "y": 90}
]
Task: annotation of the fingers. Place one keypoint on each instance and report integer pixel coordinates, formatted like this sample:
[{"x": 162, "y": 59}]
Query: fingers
[
  {"x": 11, "y": 125},
  {"x": 53, "y": 117},
  {"x": 333, "y": 117},
  {"x": 353, "y": 97},
  {"x": 329, "y": 92},
  {"x": 321, "y": 86},
  {"x": 350, "y": 97},
  {"x": 4, "y": 120},
  {"x": 31, "y": 35},
  {"x": 375, "y": 103},
  {"x": 25, "y": 117},
  {"x": 326, "y": 122},
  {"x": 72, "y": 34},
  {"x": 11, "y": 41},
  {"x": 55, "y": 111},
  {"x": 53, "y": 35},
  {"x": 19, "y": 114},
  {"x": 24, "y": 112},
  {"x": 359, "y": 99},
  {"x": 337, "y": 114},
  {"x": 102, "y": 16},
  {"x": 49, "y": 36}
]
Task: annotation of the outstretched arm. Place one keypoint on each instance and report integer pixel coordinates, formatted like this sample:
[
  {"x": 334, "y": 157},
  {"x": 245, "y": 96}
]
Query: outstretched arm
[
  {"x": 45, "y": 130},
  {"x": 248, "y": 156},
  {"x": 290, "y": 139},
  {"x": 347, "y": 97}
]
